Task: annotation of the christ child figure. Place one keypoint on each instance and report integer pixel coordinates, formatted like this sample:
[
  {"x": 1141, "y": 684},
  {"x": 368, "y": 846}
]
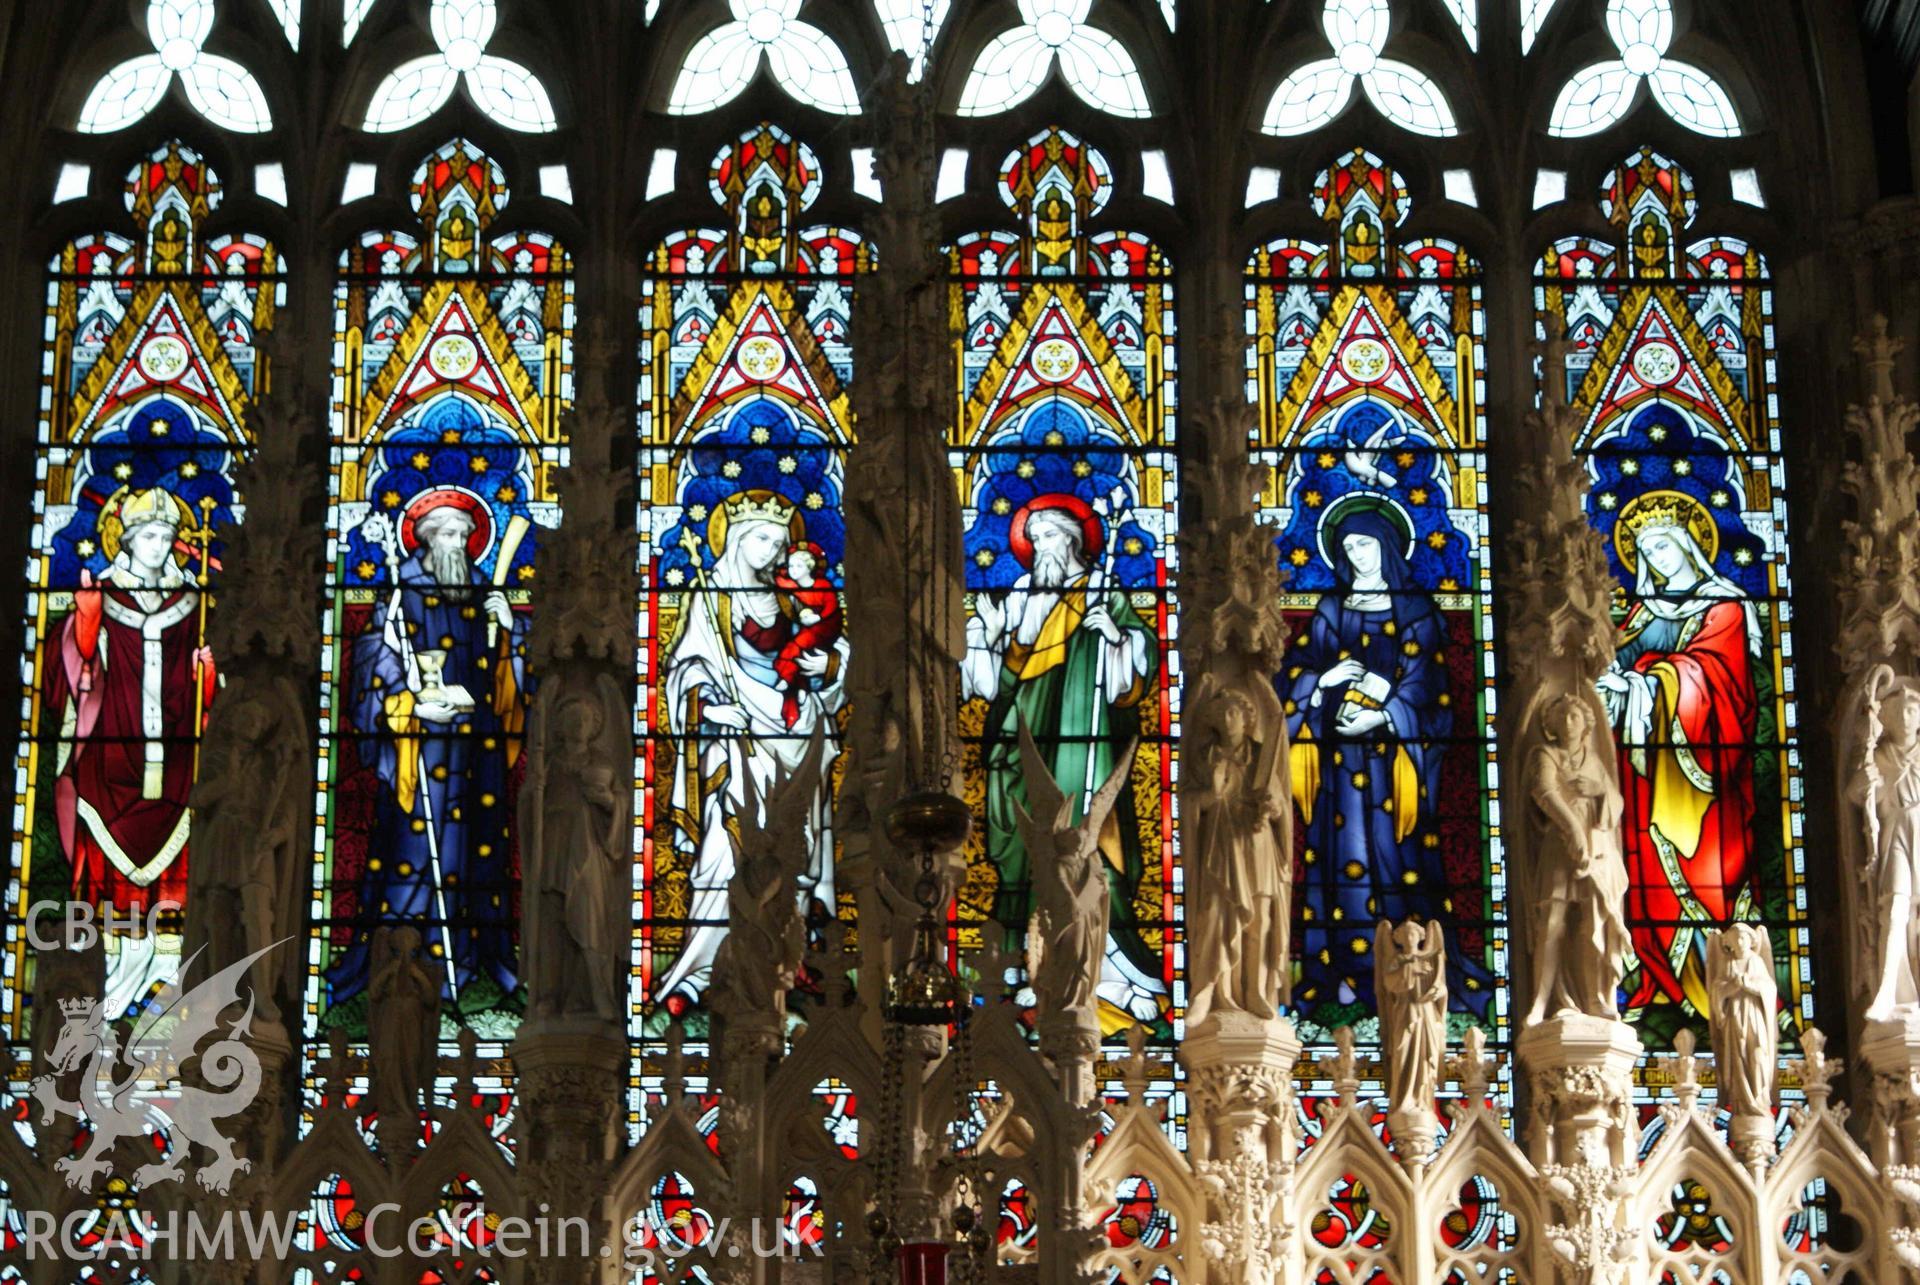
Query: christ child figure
[{"x": 816, "y": 605}]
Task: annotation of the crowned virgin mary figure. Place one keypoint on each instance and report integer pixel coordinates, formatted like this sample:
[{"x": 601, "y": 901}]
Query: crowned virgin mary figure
[
  {"x": 742, "y": 727},
  {"x": 1682, "y": 700}
]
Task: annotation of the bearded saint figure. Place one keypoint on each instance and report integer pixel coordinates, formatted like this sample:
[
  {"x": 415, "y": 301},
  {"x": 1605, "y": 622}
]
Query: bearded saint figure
[
  {"x": 128, "y": 679},
  {"x": 1681, "y": 698},
  {"x": 1067, "y": 654},
  {"x": 437, "y": 694},
  {"x": 742, "y": 727}
]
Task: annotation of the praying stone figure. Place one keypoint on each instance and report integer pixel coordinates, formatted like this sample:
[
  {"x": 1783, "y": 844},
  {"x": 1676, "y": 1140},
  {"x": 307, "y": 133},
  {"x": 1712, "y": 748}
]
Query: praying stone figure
[
  {"x": 1410, "y": 979},
  {"x": 249, "y": 806},
  {"x": 1746, "y": 1032},
  {"x": 1240, "y": 862},
  {"x": 1578, "y": 871},
  {"x": 1886, "y": 790},
  {"x": 759, "y": 958},
  {"x": 1067, "y": 936},
  {"x": 576, "y": 830},
  {"x": 403, "y": 1026}
]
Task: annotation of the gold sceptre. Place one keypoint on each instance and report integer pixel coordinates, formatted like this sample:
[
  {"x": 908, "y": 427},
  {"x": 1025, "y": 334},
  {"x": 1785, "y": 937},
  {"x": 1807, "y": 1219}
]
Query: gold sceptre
[{"x": 201, "y": 538}]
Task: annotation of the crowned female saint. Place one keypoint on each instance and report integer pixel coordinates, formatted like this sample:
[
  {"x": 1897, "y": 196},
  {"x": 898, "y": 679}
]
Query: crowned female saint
[
  {"x": 1682, "y": 701},
  {"x": 729, "y": 706}
]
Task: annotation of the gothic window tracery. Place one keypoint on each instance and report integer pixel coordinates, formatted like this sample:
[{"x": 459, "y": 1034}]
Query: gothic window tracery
[
  {"x": 148, "y": 373},
  {"x": 1671, "y": 365},
  {"x": 745, "y": 354},
  {"x": 1066, "y": 458},
  {"x": 1368, "y": 370},
  {"x": 446, "y": 434}
]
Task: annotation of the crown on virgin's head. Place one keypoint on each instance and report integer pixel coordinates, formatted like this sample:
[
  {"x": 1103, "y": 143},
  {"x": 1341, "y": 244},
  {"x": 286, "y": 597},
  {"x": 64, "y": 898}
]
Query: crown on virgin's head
[
  {"x": 763, "y": 505},
  {"x": 1657, "y": 514}
]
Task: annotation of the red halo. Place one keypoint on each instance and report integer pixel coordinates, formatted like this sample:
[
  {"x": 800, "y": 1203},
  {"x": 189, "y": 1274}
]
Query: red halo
[
  {"x": 1092, "y": 536},
  {"x": 441, "y": 497}
]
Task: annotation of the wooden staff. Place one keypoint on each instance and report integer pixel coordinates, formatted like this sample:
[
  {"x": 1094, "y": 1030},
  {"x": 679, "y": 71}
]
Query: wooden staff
[
  {"x": 516, "y": 531},
  {"x": 201, "y": 538}
]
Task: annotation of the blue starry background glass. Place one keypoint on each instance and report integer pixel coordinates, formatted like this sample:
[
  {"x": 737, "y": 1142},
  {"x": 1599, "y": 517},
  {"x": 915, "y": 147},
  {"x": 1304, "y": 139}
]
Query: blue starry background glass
[
  {"x": 1057, "y": 449},
  {"x": 1439, "y": 561},
  {"x": 762, "y": 445},
  {"x": 1661, "y": 451},
  {"x": 451, "y": 443},
  {"x": 156, "y": 444}
]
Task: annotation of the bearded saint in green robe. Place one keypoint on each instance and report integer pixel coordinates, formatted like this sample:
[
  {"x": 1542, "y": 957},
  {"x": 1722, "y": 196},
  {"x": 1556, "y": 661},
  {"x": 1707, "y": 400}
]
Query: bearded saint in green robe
[{"x": 1074, "y": 671}]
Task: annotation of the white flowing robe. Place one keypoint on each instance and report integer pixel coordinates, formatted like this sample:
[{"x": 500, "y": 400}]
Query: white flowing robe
[{"x": 713, "y": 663}]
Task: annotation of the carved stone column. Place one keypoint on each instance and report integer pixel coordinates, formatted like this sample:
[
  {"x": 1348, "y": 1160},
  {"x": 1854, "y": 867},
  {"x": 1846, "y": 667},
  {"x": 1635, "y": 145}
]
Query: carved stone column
[
  {"x": 1238, "y": 818},
  {"x": 904, "y": 569},
  {"x": 568, "y": 1126},
  {"x": 1576, "y": 1056},
  {"x": 570, "y": 1055},
  {"x": 1879, "y": 604},
  {"x": 252, "y": 798}
]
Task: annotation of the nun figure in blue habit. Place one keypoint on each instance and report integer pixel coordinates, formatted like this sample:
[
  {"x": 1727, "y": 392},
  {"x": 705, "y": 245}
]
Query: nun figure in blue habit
[{"x": 1368, "y": 711}]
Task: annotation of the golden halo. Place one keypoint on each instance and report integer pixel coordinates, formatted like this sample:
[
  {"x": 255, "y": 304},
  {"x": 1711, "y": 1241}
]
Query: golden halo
[
  {"x": 754, "y": 505},
  {"x": 112, "y": 524},
  {"x": 1671, "y": 509}
]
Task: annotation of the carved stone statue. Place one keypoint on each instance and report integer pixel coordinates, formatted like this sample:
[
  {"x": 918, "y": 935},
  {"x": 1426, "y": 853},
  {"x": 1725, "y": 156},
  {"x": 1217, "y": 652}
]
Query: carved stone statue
[
  {"x": 250, "y": 814},
  {"x": 403, "y": 1026},
  {"x": 759, "y": 959},
  {"x": 1067, "y": 939},
  {"x": 575, "y": 825},
  {"x": 1744, "y": 1000},
  {"x": 1236, "y": 804},
  {"x": 1885, "y": 794},
  {"x": 1239, "y": 858},
  {"x": 1577, "y": 874},
  {"x": 1410, "y": 978}
]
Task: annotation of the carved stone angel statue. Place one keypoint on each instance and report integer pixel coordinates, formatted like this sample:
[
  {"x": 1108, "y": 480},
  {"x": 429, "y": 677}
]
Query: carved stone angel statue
[
  {"x": 1576, "y": 871},
  {"x": 1410, "y": 978},
  {"x": 1240, "y": 862},
  {"x": 576, "y": 834},
  {"x": 1886, "y": 792},
  {"x": 1067, "y": 937},
  {"x": 1744, "y": 1000},
  {"x": 249, "y": 809},
  {"x": 759, "y": 959},
  {"x": 403, "y": 1023}
]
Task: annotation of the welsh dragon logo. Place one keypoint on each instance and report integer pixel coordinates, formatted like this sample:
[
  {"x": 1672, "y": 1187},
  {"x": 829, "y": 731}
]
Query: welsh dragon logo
[{"x": 128, "y": 1089}]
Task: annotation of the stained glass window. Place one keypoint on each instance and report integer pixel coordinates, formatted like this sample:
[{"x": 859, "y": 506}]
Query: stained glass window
[
  {"x": 1313, "y": 95},
  {"x": 744, "y": 359},
  {"x": 506, "y": 91},
  {"x": 911, "y": 27},
  {"x": 1064, "y": 452},
  {"x": 452, "y": 371},
  {"x": 1368, "y": 370},
  {"x": 804, "y": 59},
  {"x": 1672, "y": 367},
  {"x": 148, "y": 372},
  {"x": 219, "y": 88},
  {"x": 1598, "y": 96},
  {"x": 1095, "y": 65}
]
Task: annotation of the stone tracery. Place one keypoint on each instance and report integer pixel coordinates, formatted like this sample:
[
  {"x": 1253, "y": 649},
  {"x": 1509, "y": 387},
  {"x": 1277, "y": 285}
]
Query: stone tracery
[{"x": 1242, "y": 1200}]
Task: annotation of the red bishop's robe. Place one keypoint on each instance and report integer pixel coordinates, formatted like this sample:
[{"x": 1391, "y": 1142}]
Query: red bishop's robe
[
  {"x": 122, "y": 686},
  {"x": 1692, "y": 783}
]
